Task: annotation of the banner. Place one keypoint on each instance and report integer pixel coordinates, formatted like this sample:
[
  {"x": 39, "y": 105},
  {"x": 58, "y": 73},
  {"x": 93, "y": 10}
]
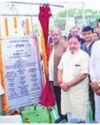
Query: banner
[{"x": 21, "y": 72}]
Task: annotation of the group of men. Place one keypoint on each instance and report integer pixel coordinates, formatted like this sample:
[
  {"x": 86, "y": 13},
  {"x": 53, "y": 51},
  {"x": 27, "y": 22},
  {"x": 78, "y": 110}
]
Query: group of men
[{"x": 75, "y": 75}]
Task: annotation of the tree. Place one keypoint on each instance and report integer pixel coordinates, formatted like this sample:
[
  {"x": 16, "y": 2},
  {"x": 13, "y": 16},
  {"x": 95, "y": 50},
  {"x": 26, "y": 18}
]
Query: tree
[{"x": 89, "y": 16}]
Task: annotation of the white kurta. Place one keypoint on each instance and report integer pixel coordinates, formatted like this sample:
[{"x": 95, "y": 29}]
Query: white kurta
[
  {"x": 75, "y": 100},
  {"x": 51, "y": 66},
  {"x": 95, "y": 74}
]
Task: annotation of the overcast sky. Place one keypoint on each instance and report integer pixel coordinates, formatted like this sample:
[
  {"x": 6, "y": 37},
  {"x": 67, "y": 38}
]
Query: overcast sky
[
  {"x": 90, "y": 4},
  {"x": 31, "y": 9},
  {"x": 94, "y": 4}
]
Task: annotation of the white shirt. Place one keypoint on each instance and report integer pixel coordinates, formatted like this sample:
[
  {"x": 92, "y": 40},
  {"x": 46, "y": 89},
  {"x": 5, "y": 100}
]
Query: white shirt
[
  {"x": 75, "y": 100},
  {"x": 95, "y": 61},
  {"x": 73, "y": 64},
  {"x": 51, "y": 66},
  {"x": 95, "y": 74}
]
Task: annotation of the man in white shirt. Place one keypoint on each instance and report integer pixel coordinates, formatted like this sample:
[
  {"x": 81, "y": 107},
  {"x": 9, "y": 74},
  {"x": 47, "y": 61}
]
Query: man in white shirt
[
  {"x": 73, "y": 80},
  {"x": 95, "y": 77}
]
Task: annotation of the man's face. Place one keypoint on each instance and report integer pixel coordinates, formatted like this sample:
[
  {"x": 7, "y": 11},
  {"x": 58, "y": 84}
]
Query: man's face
[
  {"x": 75, "y": 31},
  {"x": 74, "y": 45},
  {"x": 88, "y": 36},
  {"x": 56, "y": 36}
]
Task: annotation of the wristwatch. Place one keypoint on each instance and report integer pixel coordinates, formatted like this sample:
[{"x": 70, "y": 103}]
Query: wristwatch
[{"x": 98, "y": 84}]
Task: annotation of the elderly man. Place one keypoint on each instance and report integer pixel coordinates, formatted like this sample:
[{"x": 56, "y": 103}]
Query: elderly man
[
  {"x": 73, "y": 80},
  {"x": 76, "y": 31},
  {"x": 58, "y": 49},
  {"x": 95, "y": 77}
]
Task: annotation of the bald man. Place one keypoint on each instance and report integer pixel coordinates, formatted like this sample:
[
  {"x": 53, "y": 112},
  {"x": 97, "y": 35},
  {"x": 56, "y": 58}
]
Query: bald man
[{"x": 58, "y": 49}]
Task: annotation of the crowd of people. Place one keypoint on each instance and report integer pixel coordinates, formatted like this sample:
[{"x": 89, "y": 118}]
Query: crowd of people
[{"x": 74, "y": 72}]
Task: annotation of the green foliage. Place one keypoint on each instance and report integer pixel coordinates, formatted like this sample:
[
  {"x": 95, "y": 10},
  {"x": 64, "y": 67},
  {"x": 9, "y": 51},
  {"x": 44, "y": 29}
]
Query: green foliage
[
  {"x": 89, "y": 15},
  {"x": 61, "y": 14}
]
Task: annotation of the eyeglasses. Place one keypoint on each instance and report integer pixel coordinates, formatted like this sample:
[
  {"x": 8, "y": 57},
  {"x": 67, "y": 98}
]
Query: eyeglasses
[{"x": 87, "y": 33}]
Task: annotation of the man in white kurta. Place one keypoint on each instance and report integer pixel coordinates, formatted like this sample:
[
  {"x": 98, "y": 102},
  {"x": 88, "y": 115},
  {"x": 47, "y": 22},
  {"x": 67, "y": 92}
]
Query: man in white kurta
[
  {"x": 95, "y": 77},
  {"x": 74, "y": 68}
]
